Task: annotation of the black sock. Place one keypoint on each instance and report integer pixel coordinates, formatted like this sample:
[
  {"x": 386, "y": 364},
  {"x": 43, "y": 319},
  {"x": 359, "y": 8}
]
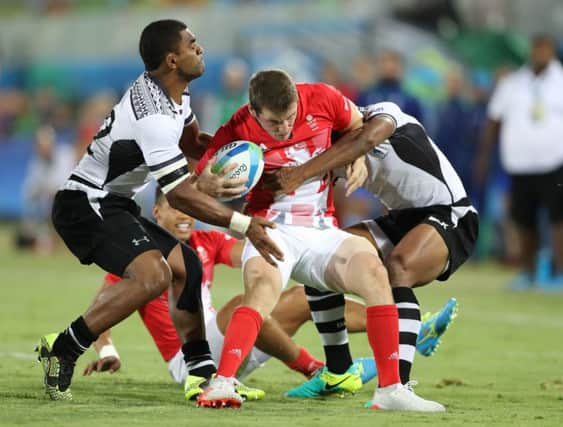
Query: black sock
[
  {"x": 197, "y": 356},
  {"x": 327, "y": 311},
  {"x": 74, "y": 340},
  {"x": 409, "y": 327}
]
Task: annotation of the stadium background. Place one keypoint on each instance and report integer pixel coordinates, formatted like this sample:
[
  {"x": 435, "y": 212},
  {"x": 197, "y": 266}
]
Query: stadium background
[{"x": 64, "y": 62}]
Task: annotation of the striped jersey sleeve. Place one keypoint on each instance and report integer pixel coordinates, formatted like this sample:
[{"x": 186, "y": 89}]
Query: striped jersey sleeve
[{"x": 158, "y": 141}]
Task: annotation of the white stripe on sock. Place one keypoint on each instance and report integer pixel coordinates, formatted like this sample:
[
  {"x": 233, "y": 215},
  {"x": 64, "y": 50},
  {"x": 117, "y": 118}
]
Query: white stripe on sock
[
  {"x": 409, "y": 325},
  {"x": 406, "y": 352},
  {"x": 71, "y": 332}
]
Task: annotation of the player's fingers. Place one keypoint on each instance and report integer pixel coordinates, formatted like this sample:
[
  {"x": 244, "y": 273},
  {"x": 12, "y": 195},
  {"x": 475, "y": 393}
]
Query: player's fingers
[
  {"x": 234, "y": 182},
  {"x": 89, "y": 369},
  {"x": 227, "y": 170},
  {"x": 272, "y": 248},
  {"x": 352, "y": 185},
  {"x": 233, "y": 192},
  {"x": 265, "y": 222},
  {"x": 100, "y": 365}
]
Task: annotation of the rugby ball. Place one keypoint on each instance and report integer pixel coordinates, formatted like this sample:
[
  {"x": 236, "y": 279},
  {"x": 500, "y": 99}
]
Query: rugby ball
[{"x": 249, "y": 158}]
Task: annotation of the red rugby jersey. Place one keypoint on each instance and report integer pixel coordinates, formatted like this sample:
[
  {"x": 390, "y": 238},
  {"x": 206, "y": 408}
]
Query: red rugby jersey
[{"x": 321, "y": 110}]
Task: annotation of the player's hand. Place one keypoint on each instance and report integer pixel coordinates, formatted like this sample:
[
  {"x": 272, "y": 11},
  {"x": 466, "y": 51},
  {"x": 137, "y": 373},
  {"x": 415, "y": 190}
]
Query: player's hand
[
  {"x": 356, "y": 174},
  {"x": 257, "y": 235},
  {"x": 219, "y": 185},
  {"x": 108, "y": 363},
  {"x": 283, "y": 180}
]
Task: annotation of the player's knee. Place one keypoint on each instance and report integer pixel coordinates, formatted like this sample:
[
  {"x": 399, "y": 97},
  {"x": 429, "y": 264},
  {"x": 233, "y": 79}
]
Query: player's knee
[
  {"x": 255, "y": 276},
  {"x": 398, "y": 268},
  {"x": 155, "y": 278}
]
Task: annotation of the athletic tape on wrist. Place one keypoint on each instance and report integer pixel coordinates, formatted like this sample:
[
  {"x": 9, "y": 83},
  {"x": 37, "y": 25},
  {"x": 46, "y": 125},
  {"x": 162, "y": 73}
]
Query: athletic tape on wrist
[
  {"x": 239, "y": 223},
  {"x": 107, "y": 351}
]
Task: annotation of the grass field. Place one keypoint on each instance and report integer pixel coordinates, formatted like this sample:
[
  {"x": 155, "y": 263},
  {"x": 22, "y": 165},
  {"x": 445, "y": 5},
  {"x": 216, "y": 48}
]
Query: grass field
[{"x": 500, "y": 364}]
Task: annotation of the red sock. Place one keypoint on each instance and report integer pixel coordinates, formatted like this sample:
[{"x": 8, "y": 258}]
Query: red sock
[
  {"x": 382, "y": 325},
  {"x": 305, "y": 363},
  {"x": 240, "y": 336}
]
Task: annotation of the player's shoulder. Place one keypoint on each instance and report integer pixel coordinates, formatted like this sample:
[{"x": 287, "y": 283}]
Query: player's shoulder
[{"x": 148, "y": 99}]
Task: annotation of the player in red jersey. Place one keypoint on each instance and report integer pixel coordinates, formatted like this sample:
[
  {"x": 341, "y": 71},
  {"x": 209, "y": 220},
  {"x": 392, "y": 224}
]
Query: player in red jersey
[{"x": 293, "y": 123}]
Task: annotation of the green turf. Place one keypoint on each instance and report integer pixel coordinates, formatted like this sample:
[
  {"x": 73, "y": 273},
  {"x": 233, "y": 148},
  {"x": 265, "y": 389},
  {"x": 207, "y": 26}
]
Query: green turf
[{"x": 500, "y": 363}]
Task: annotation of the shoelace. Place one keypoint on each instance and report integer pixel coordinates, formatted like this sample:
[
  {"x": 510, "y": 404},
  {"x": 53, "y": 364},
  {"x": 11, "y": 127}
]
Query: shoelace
[{"x": 411, "y": 385}]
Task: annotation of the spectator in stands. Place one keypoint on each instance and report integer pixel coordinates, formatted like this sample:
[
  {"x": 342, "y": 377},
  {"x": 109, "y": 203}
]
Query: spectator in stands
[
  {"x": 527, "y": 109},
  {"x": 388, "y": 87},
  {"x": 47, "y": 171},
  {"x": 331, "y": 74}
]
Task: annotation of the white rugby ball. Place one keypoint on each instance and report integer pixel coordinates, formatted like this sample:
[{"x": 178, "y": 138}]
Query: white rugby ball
[{"x": 249, "y": 158}]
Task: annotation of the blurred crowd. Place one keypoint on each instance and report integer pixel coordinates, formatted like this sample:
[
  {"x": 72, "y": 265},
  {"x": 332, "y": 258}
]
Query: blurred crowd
[{"x": 65, "y": 126}]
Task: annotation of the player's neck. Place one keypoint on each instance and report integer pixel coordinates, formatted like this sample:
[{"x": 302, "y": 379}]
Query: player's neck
[{"x": 170, "y": 83}]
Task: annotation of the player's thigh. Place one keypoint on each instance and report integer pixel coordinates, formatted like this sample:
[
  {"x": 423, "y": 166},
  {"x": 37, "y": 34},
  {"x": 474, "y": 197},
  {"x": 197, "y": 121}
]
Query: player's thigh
[
  {"x": 420, "y": 257},
  {"x": 126, "y": 240},
  {"x": 263, "y": 282},
  {"x": 355, "y": 267}
]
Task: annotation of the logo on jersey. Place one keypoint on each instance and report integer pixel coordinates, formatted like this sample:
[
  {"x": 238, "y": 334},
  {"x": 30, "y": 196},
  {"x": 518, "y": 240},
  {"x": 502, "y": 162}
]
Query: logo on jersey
[
  {"x": 202, "y": 254},
  {"x": 442, "y": 224},
  {"x": 137, "y": 242},
  {"x": 311, "y": 122},
  {"x": 263, "y": 147}
]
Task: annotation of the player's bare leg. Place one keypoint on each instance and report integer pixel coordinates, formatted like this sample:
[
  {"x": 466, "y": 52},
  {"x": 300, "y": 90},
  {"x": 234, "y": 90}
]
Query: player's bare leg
[
  {"x": 146, "y": 277},
  {"x": 356, "y": 268},
  {"x": 419, "y": 258},
  {"x": 263, "y": 284}
]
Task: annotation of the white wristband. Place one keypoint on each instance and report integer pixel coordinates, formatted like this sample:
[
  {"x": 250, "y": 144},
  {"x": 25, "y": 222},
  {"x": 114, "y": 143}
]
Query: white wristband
[
  {"x": 239, "y": 223},
  {"x": 107, "y": 351}
]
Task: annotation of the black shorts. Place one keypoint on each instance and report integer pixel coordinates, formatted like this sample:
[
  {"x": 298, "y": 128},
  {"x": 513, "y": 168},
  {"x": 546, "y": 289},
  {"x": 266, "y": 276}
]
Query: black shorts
[
  {"x": 530, "y": 192},
  {"x": 459, "y": 238},
  {"x": 109, "y": 232}
]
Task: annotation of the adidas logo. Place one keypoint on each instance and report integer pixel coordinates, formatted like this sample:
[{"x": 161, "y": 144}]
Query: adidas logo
[
  {"x": 237, "y": 352},
  {"x": 394, "y": 356}
]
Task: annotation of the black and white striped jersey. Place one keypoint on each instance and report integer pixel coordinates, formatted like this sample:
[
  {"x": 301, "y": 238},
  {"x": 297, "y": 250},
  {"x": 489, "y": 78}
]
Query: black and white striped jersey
[
  {"x": 408, "y": 170},
  {"x": 139, "y": 139}
]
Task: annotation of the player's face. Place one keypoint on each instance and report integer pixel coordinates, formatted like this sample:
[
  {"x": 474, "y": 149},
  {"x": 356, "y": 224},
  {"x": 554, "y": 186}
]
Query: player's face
[
  {"x": 173, "y": 220},
  {"x": 278, "y": 125},
  {"x": 189, "y": 59}
]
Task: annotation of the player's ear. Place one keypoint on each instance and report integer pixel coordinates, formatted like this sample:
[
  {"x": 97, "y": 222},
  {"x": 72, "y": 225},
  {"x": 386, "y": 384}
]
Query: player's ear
[
  {"x": 156, "y": 212},
  {"x": 171, "y": 60}
]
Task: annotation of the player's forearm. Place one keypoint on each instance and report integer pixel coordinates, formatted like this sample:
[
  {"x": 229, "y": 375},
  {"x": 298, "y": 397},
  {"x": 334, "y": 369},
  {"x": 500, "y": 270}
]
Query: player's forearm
[
  {"x": 351, "y": 146},
  {"x": 186, "y": 198}
]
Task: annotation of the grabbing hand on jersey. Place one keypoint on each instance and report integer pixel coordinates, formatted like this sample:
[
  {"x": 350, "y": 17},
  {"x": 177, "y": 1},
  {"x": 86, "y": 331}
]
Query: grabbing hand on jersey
[
  {"x": 283, "y": 180},
  {"x": 218, "y": 184},
  {"x": 356, "y": 174}
]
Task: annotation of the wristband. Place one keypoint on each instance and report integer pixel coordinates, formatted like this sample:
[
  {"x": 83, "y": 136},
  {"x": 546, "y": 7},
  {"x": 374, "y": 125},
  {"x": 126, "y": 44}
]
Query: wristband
[
  {"x": 239, "y": 223},
  {"x": 107, "y": 351}
]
